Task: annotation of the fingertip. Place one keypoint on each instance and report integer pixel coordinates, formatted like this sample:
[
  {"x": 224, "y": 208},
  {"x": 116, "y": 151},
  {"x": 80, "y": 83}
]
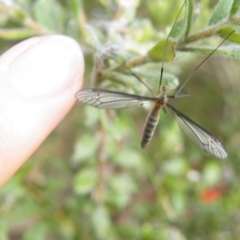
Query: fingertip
[
  {"x": 39, "y": 78},
  {"x": 44, "y": 66}
]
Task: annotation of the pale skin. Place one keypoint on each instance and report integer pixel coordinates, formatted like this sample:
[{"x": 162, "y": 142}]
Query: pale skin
[{"x": 38, "y": 80}]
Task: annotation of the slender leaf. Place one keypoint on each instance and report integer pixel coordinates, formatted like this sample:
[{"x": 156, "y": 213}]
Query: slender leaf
[
  {"x": 50, "y": 14},
  {"x": 179, "y": 27},
  {"x": 16, "y": 33},
  {"x": 188, "y": 17},
  {"x": 221, "y": 12},
  {"x": 230, "y": 51},
  {"x": 92, "y": 38},
  {"x": 101, "y": 222},
  {"x": 235, "y": 7},
  {"x": 76, "y": 7}
]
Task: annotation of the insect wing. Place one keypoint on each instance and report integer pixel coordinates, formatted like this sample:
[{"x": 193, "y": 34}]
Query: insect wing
[
  {"x": 110, "y": 99},
  {"x": 198, "y": 135}
]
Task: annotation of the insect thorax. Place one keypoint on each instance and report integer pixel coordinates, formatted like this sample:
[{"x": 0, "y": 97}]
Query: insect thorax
[{"x": 161, "y": 99}]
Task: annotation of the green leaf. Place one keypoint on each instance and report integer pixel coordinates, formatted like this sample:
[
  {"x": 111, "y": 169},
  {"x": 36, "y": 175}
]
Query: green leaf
[
  {"x": 183, "y": 27},
  {"x": 230, "y": 51},
  {"x": 4, "y": 231},
  {"x": 235, "y": 7},
  {"x": 85, "y": 148},
  {"x": 128, "y": 158},
  {"x": 16, "y": 33},
  {"x": 50, "y": 14},
  {"x": 175, "y": 167},
  {"x": 76, "y": 7},
  {"x": 144, "y": 32},
  {"x": 221, "y": 12},
  {"x": 76, "y": 26},
  {"x": 105, "y": 3},
  {"x": 225, "y": 31},
  {"x": 188, "y": 18},
  {"x": 85, "y": 181},
  {"x": 211, "y": 173},
  {"x": 178, "y": 29},
  {"x": 37, "y": 232},
  {"x": 92, "y": 37},
  {"x": 171, "y": 80},
  {"x": 101, "y": 222},
  {"x": 19, "y": 13},
  {"x": 122, "y": 187},
  {"x": 117, "y": 129},
  {"x": 157, "y": 52},
  {"x": 91, "y": 116},
  {"x": 24, "y": 3}
]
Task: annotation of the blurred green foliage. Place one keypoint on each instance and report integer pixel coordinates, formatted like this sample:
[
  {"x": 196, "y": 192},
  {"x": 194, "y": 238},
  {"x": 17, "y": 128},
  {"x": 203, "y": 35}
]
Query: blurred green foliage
[{"x": 90, "y": 179}]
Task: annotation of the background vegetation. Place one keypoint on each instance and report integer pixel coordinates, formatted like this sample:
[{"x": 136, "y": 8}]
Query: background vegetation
[{"x": 90, "y": 179}]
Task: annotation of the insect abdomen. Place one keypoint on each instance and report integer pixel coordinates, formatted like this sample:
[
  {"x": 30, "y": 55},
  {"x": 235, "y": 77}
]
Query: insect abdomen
[{"x": 150, "y": 125}]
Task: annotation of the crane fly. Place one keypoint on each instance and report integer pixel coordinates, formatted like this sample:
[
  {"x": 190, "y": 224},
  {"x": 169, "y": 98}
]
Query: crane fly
[{"x": 106, "y": 99}]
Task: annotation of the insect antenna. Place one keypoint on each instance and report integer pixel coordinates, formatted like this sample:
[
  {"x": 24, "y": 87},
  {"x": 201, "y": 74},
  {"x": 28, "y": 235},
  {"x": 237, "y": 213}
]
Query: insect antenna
[
  {"x": 165, "y": 48},
  {"x": 139, "y": 79},
  {"x": 123, "y": 64},
  {"x": 193, "y": 72}
]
